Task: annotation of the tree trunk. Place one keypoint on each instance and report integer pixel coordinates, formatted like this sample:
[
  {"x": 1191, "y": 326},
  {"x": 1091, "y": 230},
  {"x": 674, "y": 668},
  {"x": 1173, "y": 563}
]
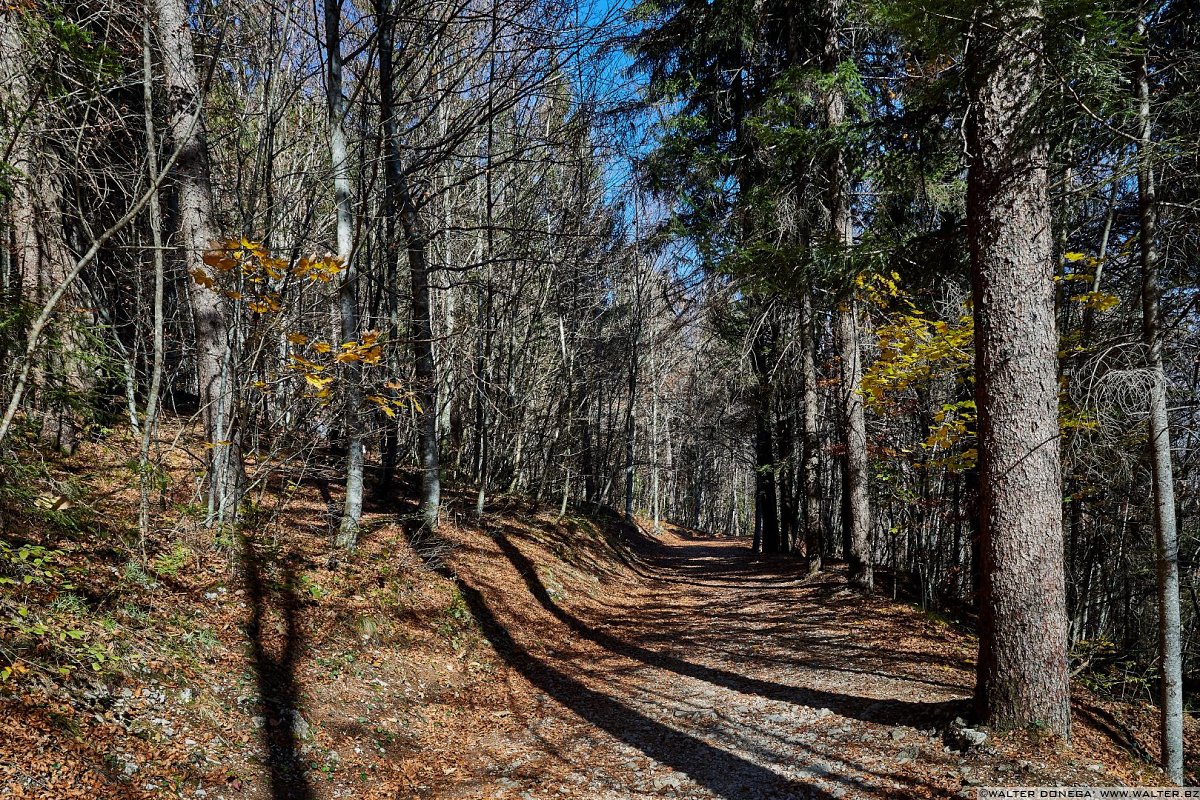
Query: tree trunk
[
  {"x": 766, "y": 496},
  {"x": 856, "y": 503},
  {"x": 417, "y": 243},
  {"x": 813, "y": 529},
  {"x": 159, "y": 346},
  {"x": 347, "y": 301},
  {"x": 215, "y": 370},
  {"x": 854, "y": 431},
  {"x": 1022, "y": 667},
  {"x": 1165, "y": 533}
]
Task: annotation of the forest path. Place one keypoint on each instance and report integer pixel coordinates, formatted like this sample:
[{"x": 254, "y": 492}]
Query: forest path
[{"x": 718, "y": 674}]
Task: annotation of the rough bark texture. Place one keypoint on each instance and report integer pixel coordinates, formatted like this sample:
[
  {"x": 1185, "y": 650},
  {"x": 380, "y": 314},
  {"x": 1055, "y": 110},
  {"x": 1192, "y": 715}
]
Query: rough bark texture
[
  {"x": 1022, "y": 667},
  {"x": 1166, "y": 535},
  {"x": 856, "y": 497},
  {"x": 216, "y": 374},
  {"x": 854, "y": 432}
]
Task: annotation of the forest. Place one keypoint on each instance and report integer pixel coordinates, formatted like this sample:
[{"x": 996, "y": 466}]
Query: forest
[{"x": 539, "y": 378}]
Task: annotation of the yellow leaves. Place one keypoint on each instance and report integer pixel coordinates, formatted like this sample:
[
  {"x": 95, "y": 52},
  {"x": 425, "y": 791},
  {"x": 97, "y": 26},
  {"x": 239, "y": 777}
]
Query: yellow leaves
[
  {"x": 878, "y": 289},
  {"x": 1074, "y": 256},
  {"x": 397, "y": 402},
  {"x": 319, "y": 268},
  {"x": 258, "y": 271},
  {"x": 368, "y": 351},
  {"x": 913, "y": 350},
  {"x": 388, "y": 405},
  {"x": 302, "y": 363},
  {"x": 317, "y": 381},
  {"x": 322, "y": 347},
  {"x": 269, "y": 303},
  {"x": 1098, "y": 301},
  {"x": 297, "y": 339}
]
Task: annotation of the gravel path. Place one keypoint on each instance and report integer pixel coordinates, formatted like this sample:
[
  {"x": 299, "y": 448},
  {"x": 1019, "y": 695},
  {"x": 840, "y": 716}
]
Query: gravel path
[{"x": 720, "y": 676}]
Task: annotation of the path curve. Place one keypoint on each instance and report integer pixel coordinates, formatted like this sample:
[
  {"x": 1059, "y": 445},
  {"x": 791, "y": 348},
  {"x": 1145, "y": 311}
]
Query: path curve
[{"x": 718, "y": 675}]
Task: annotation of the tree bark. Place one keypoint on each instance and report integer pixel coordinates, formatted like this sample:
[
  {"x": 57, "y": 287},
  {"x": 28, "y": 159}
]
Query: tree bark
[
  {"x": 813, "y": 528},
  {"x": 347, "y": 301},
  {"x": 856, "y": 503},
  {"x": 1166, "y": 535},
  {"x": 156, "y": 240},
  {"x": 416, "y": 241},
  {"x": 1022, "y": 667},
  {"x": 854, "y": 432},
  {"x": 215, "y": 370}
]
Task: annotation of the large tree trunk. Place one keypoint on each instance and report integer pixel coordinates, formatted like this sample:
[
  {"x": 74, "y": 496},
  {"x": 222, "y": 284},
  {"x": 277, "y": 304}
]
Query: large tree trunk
[
  {"x": 347, "y": 301},
  {"x": 856, "y": 503},
  {"x": 1022, "y": 668},
  {"x": 1165, "y": 533},
  {"x": 216, "y": 372}
]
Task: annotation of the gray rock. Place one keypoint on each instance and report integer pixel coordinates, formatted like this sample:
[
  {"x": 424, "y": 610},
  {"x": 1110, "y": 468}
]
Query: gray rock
[
  {"x": 965, "y": 738},
  {"x": 300, "y": 727},
  {"x": 667, "y": 782},
  {"x": 896, "y": 733},
  {"x": 973, "y": 737}
]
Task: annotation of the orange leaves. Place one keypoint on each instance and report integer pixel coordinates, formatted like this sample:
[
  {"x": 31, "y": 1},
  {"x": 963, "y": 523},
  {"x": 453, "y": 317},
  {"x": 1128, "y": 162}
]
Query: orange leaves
[
  {"x": 256, "y": 270},
  {"x": 269, "y": 303},
  {"x": 368, "y": 351},
  {"x": 202, "y": 278},
  {"x": 323, "y": 269}
]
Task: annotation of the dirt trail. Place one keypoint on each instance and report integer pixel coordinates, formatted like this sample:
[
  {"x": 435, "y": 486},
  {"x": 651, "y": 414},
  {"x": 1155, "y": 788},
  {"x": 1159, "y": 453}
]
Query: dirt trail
[{"x": 720, "y": 675}]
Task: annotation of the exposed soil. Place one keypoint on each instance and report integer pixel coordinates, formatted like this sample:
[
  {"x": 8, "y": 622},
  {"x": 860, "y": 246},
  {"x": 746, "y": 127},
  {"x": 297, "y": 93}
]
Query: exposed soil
[
  {"x": 721, "y": 675},
  {"x": 523, "y": 657}
]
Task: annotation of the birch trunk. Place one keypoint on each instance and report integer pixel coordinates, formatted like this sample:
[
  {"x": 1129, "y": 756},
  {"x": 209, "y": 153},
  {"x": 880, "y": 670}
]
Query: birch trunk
[
  {"x": 1166, "y": 535},
  {"x": 347, "y": 301}
]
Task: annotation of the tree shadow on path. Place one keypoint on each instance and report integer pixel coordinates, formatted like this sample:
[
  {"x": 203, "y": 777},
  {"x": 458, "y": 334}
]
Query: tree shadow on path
[
  {"x": 720, "y": 771},
  {"x": 275, "y": 670},
  {"x": 890, "y": 712}
]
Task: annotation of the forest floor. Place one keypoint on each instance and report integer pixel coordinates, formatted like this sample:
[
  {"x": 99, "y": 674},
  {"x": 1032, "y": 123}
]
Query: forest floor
[{"x": 522, "y": 656}]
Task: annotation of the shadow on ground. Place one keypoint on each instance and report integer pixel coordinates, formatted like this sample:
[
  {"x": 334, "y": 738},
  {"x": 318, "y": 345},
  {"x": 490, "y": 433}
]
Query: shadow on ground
[
  {"x": 275, "y": 661},
  {"x": 690, "y": 563}
]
